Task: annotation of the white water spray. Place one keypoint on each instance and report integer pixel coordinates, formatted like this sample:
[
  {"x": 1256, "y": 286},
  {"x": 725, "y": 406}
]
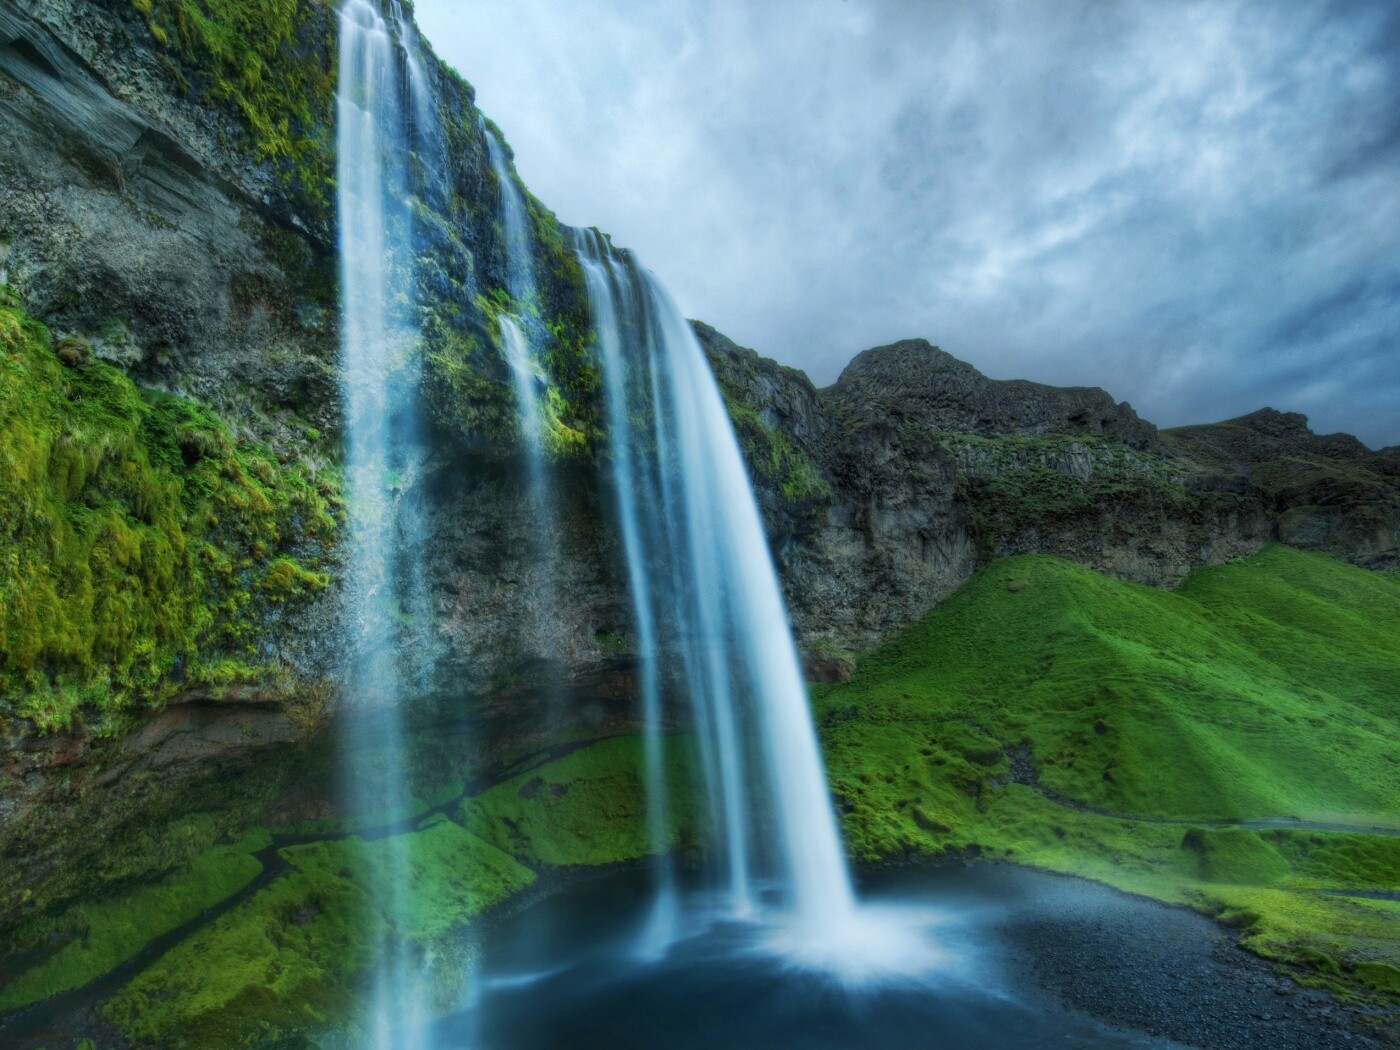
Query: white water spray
[{"x": 613, "y": 297}]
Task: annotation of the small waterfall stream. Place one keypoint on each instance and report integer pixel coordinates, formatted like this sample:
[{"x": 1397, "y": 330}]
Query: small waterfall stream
[
  {"x": 613, "y": 296},
  {"x": 521, "y": 335},
  {"x": 516, "y": 328}
]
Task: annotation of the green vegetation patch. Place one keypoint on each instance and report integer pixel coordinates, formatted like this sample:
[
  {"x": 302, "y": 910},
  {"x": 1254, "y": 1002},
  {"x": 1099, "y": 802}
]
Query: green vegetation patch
[
  {"x": 588, "y": 808},
  {"x": 296, "y": 955},
  {"x": 1014, "y": 482},
  {"x": 285, "y": 959},
  {"x": 1053, "y": 716},
  {"x": 144, "y": 551},
  {"x": 263, "y": 58},
  {"x": 99, "y": 936},
  {"x": 444, "y": 875}
]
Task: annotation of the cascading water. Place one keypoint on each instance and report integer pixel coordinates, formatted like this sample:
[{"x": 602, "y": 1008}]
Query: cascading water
[
  {"x": 520, "y": 334},
  {"x": 426, "y": 134},
  {"x": 520, "y": 283},
  {"x": 703, "y": 579},
  {"x": 614, "y": 299},
  {"x": 384, "y": 456},
  {"x": 711, "y": 622}
]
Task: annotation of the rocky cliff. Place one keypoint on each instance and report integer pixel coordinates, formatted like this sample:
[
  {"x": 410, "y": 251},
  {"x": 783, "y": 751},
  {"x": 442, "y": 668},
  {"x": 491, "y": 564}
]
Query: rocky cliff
[
  {"x": 165, "y": 212},
  {"x": 886, "y": 490}
]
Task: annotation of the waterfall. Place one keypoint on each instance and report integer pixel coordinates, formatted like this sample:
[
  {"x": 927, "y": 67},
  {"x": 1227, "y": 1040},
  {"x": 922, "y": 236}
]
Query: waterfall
[
  {"x": 520, "y": 283},
  {"x": 427, "y": 137},
  {"x": 613, "y": 298},
  {"x": 384, "y": 456},
  {"x": 520, "y": 333},
  {"x": 703, "y": 580}
]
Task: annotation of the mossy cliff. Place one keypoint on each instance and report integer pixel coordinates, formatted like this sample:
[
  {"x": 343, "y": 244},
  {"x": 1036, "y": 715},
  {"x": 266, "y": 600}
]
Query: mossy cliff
[
  {"x": 265, "y": 938},
  {"x": 147, "y": 552},
  {"x": 884, "y": 492},
  {"x": 151, "y": 561}
]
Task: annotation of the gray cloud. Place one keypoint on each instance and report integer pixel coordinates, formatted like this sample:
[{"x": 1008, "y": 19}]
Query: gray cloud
[{"x": 1193, "y": 204}]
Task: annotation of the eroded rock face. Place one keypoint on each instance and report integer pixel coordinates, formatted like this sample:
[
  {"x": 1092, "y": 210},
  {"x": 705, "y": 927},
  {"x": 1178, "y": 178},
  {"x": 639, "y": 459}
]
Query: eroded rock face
[
  {"x": 1325, "y": 492},
  {"x": 81, "y": 811},
  {"x": 125, "y": 224},
  {"x": 930, "y": 469}
]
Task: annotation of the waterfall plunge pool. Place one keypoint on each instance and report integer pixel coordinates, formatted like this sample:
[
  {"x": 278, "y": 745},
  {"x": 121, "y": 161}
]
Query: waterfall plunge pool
[{"x": 1003, "y": 947}]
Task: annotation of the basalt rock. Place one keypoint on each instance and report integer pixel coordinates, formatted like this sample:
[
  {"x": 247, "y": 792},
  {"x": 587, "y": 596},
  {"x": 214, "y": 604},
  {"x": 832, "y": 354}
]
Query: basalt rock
[
  {"x": 1326, "y": 492},
  {"x": 927, "y": 469}
]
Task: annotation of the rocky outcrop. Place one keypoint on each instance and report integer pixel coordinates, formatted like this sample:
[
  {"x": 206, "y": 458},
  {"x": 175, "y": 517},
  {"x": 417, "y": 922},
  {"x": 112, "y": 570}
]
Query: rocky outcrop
[
  {"x": 1325, "y": 492},
  {"x": 149, "y": 219},
  {"x": 921, "y": 384},
  {"x": 81, "y": 810},
  {"x": 926, "y": 469},
  {"x": 125, "y": 224}
]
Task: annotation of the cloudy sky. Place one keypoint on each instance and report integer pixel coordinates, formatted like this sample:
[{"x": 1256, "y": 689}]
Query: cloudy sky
[{"x": 1194, "y": 205}]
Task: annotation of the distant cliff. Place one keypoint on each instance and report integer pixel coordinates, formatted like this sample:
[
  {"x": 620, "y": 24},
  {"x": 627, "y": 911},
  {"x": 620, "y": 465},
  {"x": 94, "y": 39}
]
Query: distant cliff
[{"x": 917, "y": 468}]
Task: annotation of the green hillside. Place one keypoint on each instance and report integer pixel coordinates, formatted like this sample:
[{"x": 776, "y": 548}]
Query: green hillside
[{"x": 1054, "y": 716}]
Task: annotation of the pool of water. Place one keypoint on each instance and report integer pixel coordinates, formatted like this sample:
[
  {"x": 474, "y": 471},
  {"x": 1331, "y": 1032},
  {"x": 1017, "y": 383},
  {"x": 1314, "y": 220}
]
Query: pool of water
[{"x": 569, "y": 972}]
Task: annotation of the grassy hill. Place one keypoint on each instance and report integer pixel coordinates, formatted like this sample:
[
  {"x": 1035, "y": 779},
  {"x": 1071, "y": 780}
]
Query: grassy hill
[{"x": 1053, "y": 716}]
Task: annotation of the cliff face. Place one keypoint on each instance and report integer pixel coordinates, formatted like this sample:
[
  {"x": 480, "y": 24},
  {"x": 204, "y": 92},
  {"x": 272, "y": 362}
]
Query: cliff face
[
  {"x": 1325, "y": 492},
  {"x": 925, "y": 469},
  {"x": 933, "y": 389},
  {"x": 165, "y": 209}
]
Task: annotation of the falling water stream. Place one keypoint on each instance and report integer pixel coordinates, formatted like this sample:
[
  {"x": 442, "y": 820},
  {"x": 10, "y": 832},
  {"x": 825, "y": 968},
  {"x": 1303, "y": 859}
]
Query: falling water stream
[
  {"x": 384, "y": 453},
  {"x": 703, "y": 579},
  {"x": 515, "y": 328}
]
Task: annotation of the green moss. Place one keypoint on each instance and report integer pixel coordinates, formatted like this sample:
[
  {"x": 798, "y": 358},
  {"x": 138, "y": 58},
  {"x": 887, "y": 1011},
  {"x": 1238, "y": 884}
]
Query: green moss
[
  {"x": 144, "y": 549},
  {"x": 773, "y": 460},
  {"x": 447, "y": 878},
  {"x": 286, "y": 958},
  {"x": 264, "y": 59},
  {"x": 296, "y": 954},
  {"x": 1053, "y": 716},
  {"x": 585, "y": 809},
  {"x": 1380, "y": 977},
  {"x": 1334, "y": 858},
  {"x": 99, "y": 936},
  {"x": 1235, "y": 855}
]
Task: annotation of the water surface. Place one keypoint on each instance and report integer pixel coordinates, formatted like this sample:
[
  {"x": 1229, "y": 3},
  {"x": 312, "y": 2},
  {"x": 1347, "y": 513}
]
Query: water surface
[{"x": 568, "y": 973}]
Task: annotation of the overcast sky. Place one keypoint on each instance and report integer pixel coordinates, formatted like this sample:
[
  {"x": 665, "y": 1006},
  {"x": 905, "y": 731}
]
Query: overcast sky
[{"x": 1193, "y": 205}]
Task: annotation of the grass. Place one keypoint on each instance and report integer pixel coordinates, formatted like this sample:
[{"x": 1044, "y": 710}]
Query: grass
[
  {"x": 255, "y": 57},
  {"x": 1044, "y": 715},
  {"x": 587, "y": 808},
  {"x": 1057, "y": 717},
  {"x": 1014, "y": 482},
  {"x": 284, "y": 959}
]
